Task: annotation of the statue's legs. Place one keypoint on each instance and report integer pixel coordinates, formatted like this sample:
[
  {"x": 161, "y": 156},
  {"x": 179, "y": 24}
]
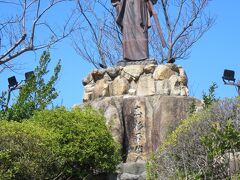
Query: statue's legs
[{"x": 135, "y": 37}]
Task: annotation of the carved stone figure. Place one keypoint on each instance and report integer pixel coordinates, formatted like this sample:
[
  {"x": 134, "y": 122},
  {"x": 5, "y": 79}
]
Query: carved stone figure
[{"x": 133, "y": 17}]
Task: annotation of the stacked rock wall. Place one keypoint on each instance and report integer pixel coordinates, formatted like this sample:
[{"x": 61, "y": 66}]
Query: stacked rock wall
[
  {"x": 141, "y": 103},
  {"x": 136, "y": 80}
]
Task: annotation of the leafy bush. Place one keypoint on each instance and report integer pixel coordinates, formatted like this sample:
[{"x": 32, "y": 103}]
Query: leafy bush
[
  {"x": 85, "y": 142},
  {"x": 197, "y": 149},
  {"x": 57, "y": 143},
  {"x": 26, "y": 151}
]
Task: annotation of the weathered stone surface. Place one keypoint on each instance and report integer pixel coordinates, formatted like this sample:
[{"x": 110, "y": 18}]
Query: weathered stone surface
[
  {"x": 87, "y": 79},
  {"x": 149, "y": 68},
  {"x": 98, "y": 74},
  {"x": 132, "y": 72},
  {"x": 143, "y": 176},
  {"x": 173, "y": 67},
  {"x": 168, "y": 112},
  {"x": 127, "y": 176},
  {"x": 141, "y": 80},
  {"x": 87, "y": 96},
  {"x": 183, "y": 76},
  {"x": 89, "y": 88},
  {"x": 233, "y": 160},
  {"x": 141, "y": 123},
  {"x": 124, "y": 63},
  {"x": 101, "y": 89},
  {"x": 163, "y": 72},
  {"x": 112, "y": 108},
  {"x": 132, "y": 92},
  {"x": 113, "y": 122},
  {"x": 163, "y": 87},
  {"x": 175, "y": 85},
  {"x": 107, "y": 78},
  {"x": 184, "y": 91},
  {"x": 119, "y": 86},
  {"x": 145, "y": 86},
  {"x": 183, "y": 80},
  {"x": 113, "y": 72},
  {"x": 133, "y": 85},
  {"x": 135, "y": 119},
  {"x": 133, "y": 167}
]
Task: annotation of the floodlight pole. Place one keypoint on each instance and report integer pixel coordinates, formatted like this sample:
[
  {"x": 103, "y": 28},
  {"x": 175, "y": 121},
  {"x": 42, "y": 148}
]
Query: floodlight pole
[
  {"x": 233, "y": 84},
  {"x": 238, "y": 85},
  {"x": 10, "y": 89}
]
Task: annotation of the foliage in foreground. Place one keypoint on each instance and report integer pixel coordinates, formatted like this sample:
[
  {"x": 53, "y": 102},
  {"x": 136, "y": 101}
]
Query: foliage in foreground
[
  {"x": 35, "y": 94},
  {"x": 202, "y": 147},
  {"x": 26, "y": 151},
  {"x": 57, "y": 144}
]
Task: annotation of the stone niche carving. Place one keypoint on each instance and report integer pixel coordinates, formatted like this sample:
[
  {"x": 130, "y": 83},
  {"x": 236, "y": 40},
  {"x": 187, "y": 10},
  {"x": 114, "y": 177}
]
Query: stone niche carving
[{"x": 136, "y": 80}]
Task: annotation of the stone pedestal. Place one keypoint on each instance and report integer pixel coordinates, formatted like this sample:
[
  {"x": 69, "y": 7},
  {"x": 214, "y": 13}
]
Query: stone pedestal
[
  {"x": 141, "y": 123},
  {"x": 142, "y": 104},
  {"x": 124, "y": 63},
  {"x": 141, "y": 80}
]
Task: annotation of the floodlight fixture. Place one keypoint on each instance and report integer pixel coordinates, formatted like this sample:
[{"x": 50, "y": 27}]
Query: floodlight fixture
[
  {"x": 13, "y": 85},
  {"x": 12, "y": 82},
  {"x": 229, "y": 79},
  {"x": 29, "y": 75},
  {"x": 228, "y": 75}
]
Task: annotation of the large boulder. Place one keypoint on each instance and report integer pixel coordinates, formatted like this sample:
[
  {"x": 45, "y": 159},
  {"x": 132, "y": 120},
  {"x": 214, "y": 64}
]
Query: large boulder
[
  {"x": 101, "y": 89},
  {"x": 119, "y": 86},
  {"x": 132, "y": 72},
  {"x": 112, "y": 108},
  {"x": 163, "y": 72},
  {"x": 141, "y": 123},
  {"x": 145, "y": 86}
]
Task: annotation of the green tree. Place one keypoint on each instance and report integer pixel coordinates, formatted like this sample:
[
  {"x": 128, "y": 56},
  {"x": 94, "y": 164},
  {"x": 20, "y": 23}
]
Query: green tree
[
  {"x": 37, "y": 92},
  {"x": 210, "y": 98}
]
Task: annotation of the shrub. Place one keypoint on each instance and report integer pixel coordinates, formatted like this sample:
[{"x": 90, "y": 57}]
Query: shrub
[
  {"x": 57, "y": 144},
  {"x": 26, "y": 151},
  {"x": 86, "y": 144},
  {"x": 197, "y": 149}
]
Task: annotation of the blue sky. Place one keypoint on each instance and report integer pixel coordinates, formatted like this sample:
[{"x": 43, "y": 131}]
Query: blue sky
[{"x": 217, "y": 50}]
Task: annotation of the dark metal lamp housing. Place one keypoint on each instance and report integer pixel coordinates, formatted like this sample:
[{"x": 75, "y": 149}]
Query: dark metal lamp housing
[
  {"x": 229, "y": 79},
  {"x": 12, "y": 82},
  {"x": 228, "y": 75}
]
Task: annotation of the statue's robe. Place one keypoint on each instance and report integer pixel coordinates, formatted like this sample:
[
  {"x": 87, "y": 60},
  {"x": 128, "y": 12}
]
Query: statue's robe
[{"x": 134, "y": 20}]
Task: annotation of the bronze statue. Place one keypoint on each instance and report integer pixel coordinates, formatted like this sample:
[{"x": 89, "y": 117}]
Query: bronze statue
[{"x": 133, "y": 18}]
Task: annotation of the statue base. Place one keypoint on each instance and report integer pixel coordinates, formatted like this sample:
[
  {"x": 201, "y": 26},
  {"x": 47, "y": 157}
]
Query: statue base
[
  {"x": 133, "y": 79},
  {"x": 141, "y": 104},
  {"x": 124, "y": 63}
]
